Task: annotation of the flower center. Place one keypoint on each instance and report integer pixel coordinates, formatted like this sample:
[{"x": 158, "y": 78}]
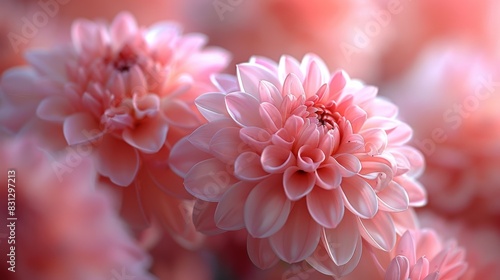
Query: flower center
[
  {"x": 323, "y": 114},
  {"x": 125, "y": 59}
]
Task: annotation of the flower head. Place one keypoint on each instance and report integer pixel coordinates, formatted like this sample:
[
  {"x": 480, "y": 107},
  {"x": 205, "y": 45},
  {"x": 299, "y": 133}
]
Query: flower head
[
  {"x": 302, "y": 159},
  {"x": 126, "y": 93},
  {"x": 420, "y": 255}
]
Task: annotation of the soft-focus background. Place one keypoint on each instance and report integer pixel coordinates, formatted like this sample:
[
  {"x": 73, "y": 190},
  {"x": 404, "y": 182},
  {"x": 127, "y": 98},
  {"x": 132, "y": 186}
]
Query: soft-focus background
[{"x": 438, "y": 60}]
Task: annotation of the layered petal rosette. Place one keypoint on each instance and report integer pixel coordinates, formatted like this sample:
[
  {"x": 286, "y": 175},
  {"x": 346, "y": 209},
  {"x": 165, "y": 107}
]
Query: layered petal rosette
[
  {"x": 126, "y": 93},
  {"x": 306, "y": 161},
  {"x": 421, "y": 255}
]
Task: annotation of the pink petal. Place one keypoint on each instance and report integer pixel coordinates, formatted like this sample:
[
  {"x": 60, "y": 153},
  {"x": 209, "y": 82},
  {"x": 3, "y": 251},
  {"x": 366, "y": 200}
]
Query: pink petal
[
  {"x": 416, "y": 192},
  {"x": 341, "y": 242},
  {"x": 250, "y": 76},
  {"x": 224, "y": 82},
  {"x": 184, "y": 155},
  {"x": 298, "y": 238},
  {"x": 421, "y": 269},
  {"x": 328, "y": 176},
  {"x": 267, "y": 63},
  {"x": 148, "y": 136},
  {"x": 287, "y": 65},
  {"x": 293, "y": 86},
  {"x": 117, "y": 160},
  {"x": 80, "y": 128},
  {"x": 313, "y": 80},
  {"x": 393, "y": 198},
  {"x": 326, "y": 207},
  {"x": 379, "y": 231},
  {"x": 266, "y": 208},
  {"x": 202, "y": 136},
  {"x": 269, "y": 93},
  {"x": 399, "y": 269},
  {"x": 137, "y": 82},
  {"x": 260, "y": 252},
  {"x": 248, "y": 167},
  {"x": 179, "y": 114},
  {"x": 255, "y": 137},
  {"x": 270, "y": 116},
  {"x": 386, "y": 124},
  {"x": 55, "y": 109},
  {"x": 433, "y": 276},
  {"x": 359, "y": 197},
  {"x": 165, "y": 179},
  {"x": 400, "y": 135},
  {"x": 208, "y": 180},
  {"x": 311, "y": 58},
  {"x": 50, "y": 64},
  {"x": 297, "y": 183},
  {"x": 375, "y": 140},
  {"x": 226, "y": 144},
  {"x": 122, "y": 28},
  {"x": 348, "y": 165},
  {"x": 229, "y": 212},
  {"x": 321, "y": 262},
  {"x": 356, "y": 117},
  {"x": 212, "y": 106},
  {"x": 242, "y": 108},
  {"x": 81, "y": 31},
  {"x": 406, "y": 248},
  {"x": 404, "y": 220},
  {"x": 309, "y": 158},
  {"x": 276, "y": 159},
  {"x": 337, "y": 83},
  {"x": 203, "y": 217}
]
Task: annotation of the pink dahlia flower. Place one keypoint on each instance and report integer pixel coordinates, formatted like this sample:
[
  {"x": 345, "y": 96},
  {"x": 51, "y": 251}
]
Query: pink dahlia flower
[
  {"x": 127, "y": 94},
  {"x": 304, "y": 160},
  {"x": 420, "y": 255},
  {"x": 459, "y": 133},
  {"x": 65, "y": 229}
]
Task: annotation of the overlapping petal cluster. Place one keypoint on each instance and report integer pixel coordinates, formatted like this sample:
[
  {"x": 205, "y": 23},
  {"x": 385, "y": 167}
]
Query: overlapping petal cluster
[
  {"x": 304, "y": 160},
  {"x": 124, "y": 92}
]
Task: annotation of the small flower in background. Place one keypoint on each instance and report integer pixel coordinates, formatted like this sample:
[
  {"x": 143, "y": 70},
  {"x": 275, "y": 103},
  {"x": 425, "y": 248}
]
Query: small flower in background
[
  {"x": 65, "y": 229},
  {"x": 459, "y": 133},
  {"x": 126, "y": 93},
  {"x": 304, "y": 161},
  {"x": 420, "y": 255}
]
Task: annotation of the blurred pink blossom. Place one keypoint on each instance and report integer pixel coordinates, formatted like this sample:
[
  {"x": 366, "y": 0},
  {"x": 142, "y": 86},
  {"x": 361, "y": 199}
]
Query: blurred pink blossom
[
  {"x": 304, "y": 160},
  {"x": 65, "y": 229},
  {"x": 127, "y": 92},
  {"x": 458, "y": 89}
]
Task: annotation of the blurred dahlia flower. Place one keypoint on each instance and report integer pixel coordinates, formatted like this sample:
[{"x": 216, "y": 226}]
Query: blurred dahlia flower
[
  {"x": 65, "y": 229},
  {"x": 420, "y": 255},
  {"x": 127, "y": 92},
  {"x": 459, "y": 133},
  {"x": 304, "y": 160}
]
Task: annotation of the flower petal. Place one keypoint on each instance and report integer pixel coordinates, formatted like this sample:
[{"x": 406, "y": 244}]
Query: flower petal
[
  {"x": 398, "y": 269},
  {"x": 55, "y": 109},
  {"x": 260, "y": 252},
  {"x": 298, "y": 238},
  {"x": 148, "y": 136},
  {"x": 179, "y": 114},
  {"x": 81, "y": 128},
  {"x": 242, "y": 108},
  {"x": 379, "y": 231},
  {"x": 184, "y": 155},
  {"x": 208, "y": 180},
  {"x": 203, "y": 217},
  {"x": 212, "y": 106},
  {"x": 266, "y": 209},
  {"x": 250, "y": 76},
  {"x": 297, "y": 183},
  {"x": 226, "y": 144},
  {"x": 229, "y": 212},
  {"x": 271, "y": 117},
  {"x": 326, "y": 207},
  {"x": 341, "y": 242},
  {"x": 328, "y": 176},
  {"x": 248, "y": 167},
  {"x": 393, "y": 198},
  {"x": 276, "y": 159},
  {"x": 359, "y": 197},
  {"x": 117, "y": 160}
]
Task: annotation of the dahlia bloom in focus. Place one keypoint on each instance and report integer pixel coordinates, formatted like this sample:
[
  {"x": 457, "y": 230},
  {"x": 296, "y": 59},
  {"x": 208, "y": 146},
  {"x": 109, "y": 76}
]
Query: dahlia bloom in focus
[
  {"x": 304, "y": 160},
  {"x": 125, "y": 91},
  {"x": 420, "y": 255},
  {"x": 65, "y": 229}
]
